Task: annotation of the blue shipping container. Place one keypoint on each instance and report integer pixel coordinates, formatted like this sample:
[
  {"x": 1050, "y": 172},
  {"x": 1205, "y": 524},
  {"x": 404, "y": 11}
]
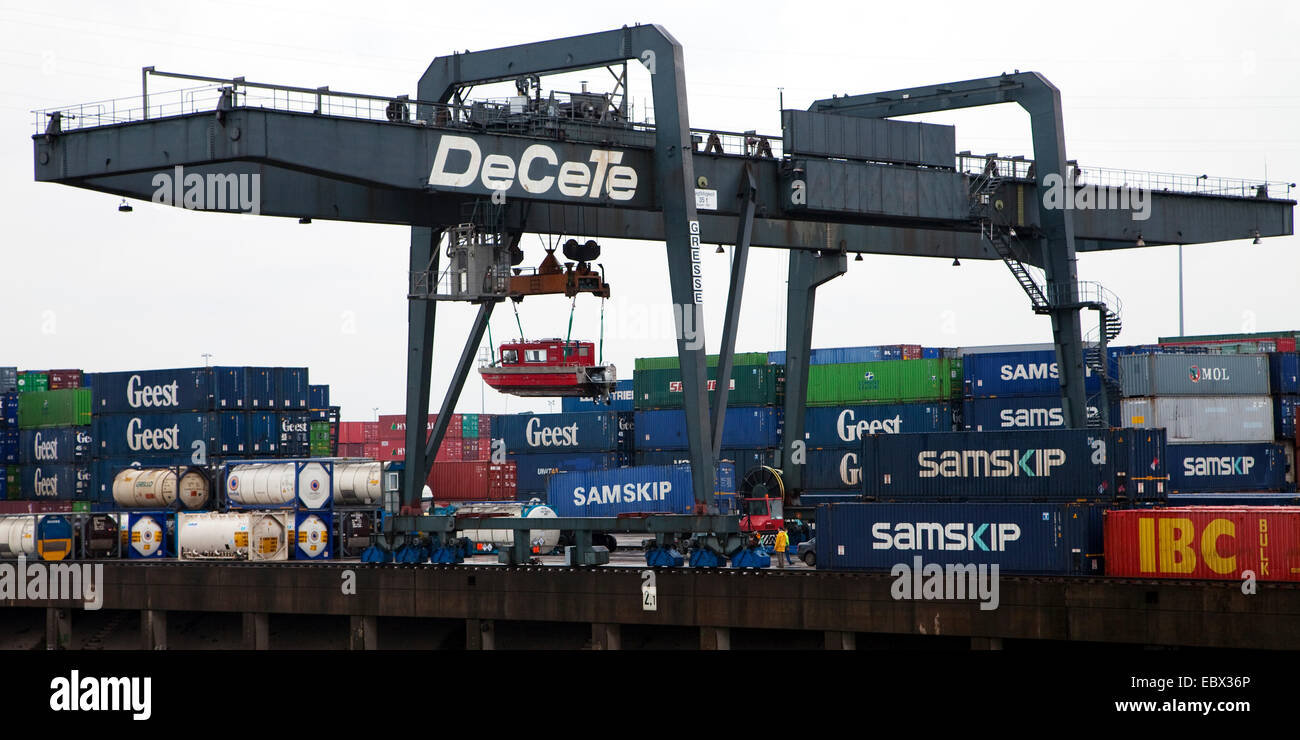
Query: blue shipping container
[
  {"x": 1234, "y": 498},
  {"x": 1000, "y": 374},
  {"x": 56, "y": 482},
  {"x": 620, "y": 399},
  {"x": 59, "y": 446},
  {"x": 1018, "y": 538},
  {"x": 260, "y": 384},
  {"x": 212, "y": 434},
  {"x": 837, "y": 355},
  {"x": 263, "y": 433},
  {"x": 9, "y": 409},
  {"x": 533, "y": 470},
  {"x": 155, "y": 391},
  {"x": 607, "y": 431},
  {"x": 663, "y": 489},
  {"x": 291, "y": 388},
  {"x": 10, "y": 446},
  {"x": 1022, "y": 412},
  {"x": 1040, "y": 465},
  {"x": 744, "y": 460},
  {"x": 295, "y": 433},
  {"x": 1248, "y": 466},
  {"x": 844, "y": 426},
  {"x": 232, "y": 388},
  {"x": 1284, "y": 372},
  {"x": 745, "y": 426},
  {"x": 318, "y": 396},
  {"x": 1284, "y": 411},
  {"x": 837, "y": 469}
]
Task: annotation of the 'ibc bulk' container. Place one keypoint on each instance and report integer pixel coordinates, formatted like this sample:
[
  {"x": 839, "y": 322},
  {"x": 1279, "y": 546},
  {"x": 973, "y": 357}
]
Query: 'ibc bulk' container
[
  {"x": 662, "y": 489},
  {"x": 1248, "y": 466},
  {"x": 898, "y": 381},
  {"x": 1042, "y": 465},
  {"x": 534, "y": 433},
  {"x": 844, "y": 426},
  {"x": 1203, "y": 418},
  {"x": 743, "y": 427},
  {"x": 1204, "y": 543},
  {"x": 1016, "y": 537},
  {"x": 999, "y": 374},
  {"x": 1194, "y": 375}
]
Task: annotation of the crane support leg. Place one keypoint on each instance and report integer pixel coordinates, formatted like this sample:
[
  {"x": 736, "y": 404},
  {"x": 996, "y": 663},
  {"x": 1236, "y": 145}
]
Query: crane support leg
[
  {"x": 739, "y": 261},
  {"x": 457, "y": 383},
  {"x": 419, "y": 363},
  {"x": 808, "y": 270}
]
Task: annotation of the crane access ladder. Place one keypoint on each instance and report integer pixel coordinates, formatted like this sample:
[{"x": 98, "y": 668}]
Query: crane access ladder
[{"x": 1001, "y": 234}]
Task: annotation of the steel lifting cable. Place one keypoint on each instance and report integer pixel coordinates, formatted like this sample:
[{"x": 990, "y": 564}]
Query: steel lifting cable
[
  {"x": 601, "y": 358},
  {"x": 569, "y": 334},
  {"x": 518, "y": 323},
  {"x": 492, "y": 353}
]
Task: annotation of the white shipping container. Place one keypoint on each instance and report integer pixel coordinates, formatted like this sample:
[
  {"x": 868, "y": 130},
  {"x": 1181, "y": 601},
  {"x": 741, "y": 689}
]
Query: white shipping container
[{"x": 1202, "y": 418}]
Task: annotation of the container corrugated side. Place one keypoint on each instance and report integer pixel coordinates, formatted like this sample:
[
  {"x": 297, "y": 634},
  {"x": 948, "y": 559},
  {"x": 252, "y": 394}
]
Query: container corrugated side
[
  {"x": 743, "y": 427},
  {"x": 1202, "y": 375},
  {"x": 883, "y": 382},
  {"x": 751, "y": 385},
  {"x": 1039, "y": 465},
  {"x": 999, "y": 374},
  {"x": 534, "y": 469},
  {"x": 1286, "y": 409},
  {"x": 1204, "y": 543},
  {"x": 291, "y": 388},
  {"x": 745, "y": 460},
  {"x": 1202, "y": 418},
  {"x": 1284, "y": 372},
  {"x": 156, "y": 391},
  {"x": 1017, "y": 537},
  {"x": 665, "y": 489},
  {"x": 318, "y": 396},
  {"x": 212, "y": 434},
  {"x": 1240, "y": 466},
  {"x": 60, "y": 408},
  {"x": 59, "y": 446},
  {"x": 56, "y": 482},
  {"x": 1022, "y": 412},
  {"x": 844, "y": 426},
  {"x": 592, "y": 432}
]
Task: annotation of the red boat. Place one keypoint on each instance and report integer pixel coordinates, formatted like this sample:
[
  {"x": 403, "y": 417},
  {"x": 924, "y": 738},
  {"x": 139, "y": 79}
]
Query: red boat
[{"x": 549, "y": 367}]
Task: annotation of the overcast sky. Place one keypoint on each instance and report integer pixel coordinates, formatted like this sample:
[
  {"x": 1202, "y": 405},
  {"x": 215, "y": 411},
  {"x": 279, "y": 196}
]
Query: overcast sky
[{"x": 1172, "y": 87}]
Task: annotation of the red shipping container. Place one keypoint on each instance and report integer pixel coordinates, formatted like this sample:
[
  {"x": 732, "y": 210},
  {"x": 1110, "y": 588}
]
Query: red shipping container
[
  {"x": 484, "y": 426},
  {"x": 469, "y": 449},
  {"x": 455, "y": 428},
  {"x": 393, "y": 426},
  {"x": 472, "y": 481},
  {"x": 61, "y": 379},
  {"x": 17, "y": 507},
  {"x": 911, "y": 351},
  {"x": 372, "y": 450},
  {"x": 370, "y": 431},
  {"x": 1204, "y": 542}
]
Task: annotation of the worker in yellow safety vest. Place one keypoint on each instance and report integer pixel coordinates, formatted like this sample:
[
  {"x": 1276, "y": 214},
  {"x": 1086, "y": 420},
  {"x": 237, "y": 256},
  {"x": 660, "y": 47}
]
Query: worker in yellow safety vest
[{"x": 782, "y": 549}]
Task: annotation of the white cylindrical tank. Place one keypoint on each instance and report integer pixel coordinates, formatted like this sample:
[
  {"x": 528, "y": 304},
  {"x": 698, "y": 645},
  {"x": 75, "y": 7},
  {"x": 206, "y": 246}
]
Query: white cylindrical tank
[
  {"x": 158, "y": 488},
  {"x": 235, "y": 535},
  {"x": 17, "y": 536},
  {"x": 544, "y": 539},
  {"x": 358, "y": 484},
  {"x": 313, "y": 537},
  {"x": 272, "y": 484}
]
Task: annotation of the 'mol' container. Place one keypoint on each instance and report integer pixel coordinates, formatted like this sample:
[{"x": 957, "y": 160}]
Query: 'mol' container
[
  {"x": 1041, "y": 465},
  {"x": 662, "y": 489},
  {"x": 1204, "y": 543},
  {"x": 1017, "y": 537},
  {"x": 1194, "y": 375}
]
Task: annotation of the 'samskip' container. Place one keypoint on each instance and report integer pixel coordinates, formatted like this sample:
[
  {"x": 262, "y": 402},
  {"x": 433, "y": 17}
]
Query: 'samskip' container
[
  {"x": 1000, "y": 374},
  {"x": 1043, "y": 465},
  {"x": 1204, "y": 543},
  {"x": 1021, "y": 412},
  {"x": 534, "y": 433},
  {"x": 61, "y": 408},
  {"x": 1194, "y": 375},
  {"x": 665, "y": 489},
  {"x": 213, "y": 434},
  {"x": 60, "y": 446},
  {"x": 744, "y": 427},
  {"x": 1248, "y": 466},
  {"x": 897, "y": 381},
  {"x": 844, "y": 426},
  {"x": 1202, "y": 418},
  {"x": 535, "y": 469},
  {"x": 751, "y": 385},
  {"x": 1017, "y": 537}
]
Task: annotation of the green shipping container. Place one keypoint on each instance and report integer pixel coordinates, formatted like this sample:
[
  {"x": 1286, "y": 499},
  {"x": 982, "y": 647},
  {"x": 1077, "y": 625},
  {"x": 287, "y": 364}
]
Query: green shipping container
[
  {"x": 469, "y": 426},
  {"x": 670, "y": 363},
  {"x": 889, "y": 381},
  {"x": 752, "y": 385},
  {"x": 63, "y": 408},
  {"x": 319, "y": 432},
  {"x": 30, "y": 382},
  {"x": 80, "y": 507}
]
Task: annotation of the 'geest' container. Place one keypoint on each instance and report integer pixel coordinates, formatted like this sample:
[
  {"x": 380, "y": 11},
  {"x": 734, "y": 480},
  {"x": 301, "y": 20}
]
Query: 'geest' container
[
  {"x": 1194, "y": 375},
  {"x": 1021, "y": 412},
  {"x": 999, "y": 374},
  {"x": 833, "y": 469},
  {"x": 1202, "y": 418},
  {"x": 61, "y": 446},
  {"x": 176, "y": 389},
  {"x": 1040, "y": 465},
  {"x": 214, "y": 434},
  {"x": 745, "y": 426},
  {"x": 1017, "y": 537},
  {"x": 534, "y": 469},
  {"x": 844, "y": 426},
  {"x": 59, "y": 482},
  {"x": 1249, "y": 466},
  {"x": 663, "y": 489},
  {"x": 606, "y": 431},
  {"x": 1204, "y": 543},
  {"x": 890, "y": 381},
  {"x": 620, "y": 399}
]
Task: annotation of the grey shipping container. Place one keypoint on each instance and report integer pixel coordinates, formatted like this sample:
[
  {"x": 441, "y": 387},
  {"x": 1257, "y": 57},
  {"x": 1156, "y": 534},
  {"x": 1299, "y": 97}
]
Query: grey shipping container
[
  {"x": 8, "y": 379},
  {"x": 1202, "y": 419},
  {"x": 1193, "y": 375}
]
